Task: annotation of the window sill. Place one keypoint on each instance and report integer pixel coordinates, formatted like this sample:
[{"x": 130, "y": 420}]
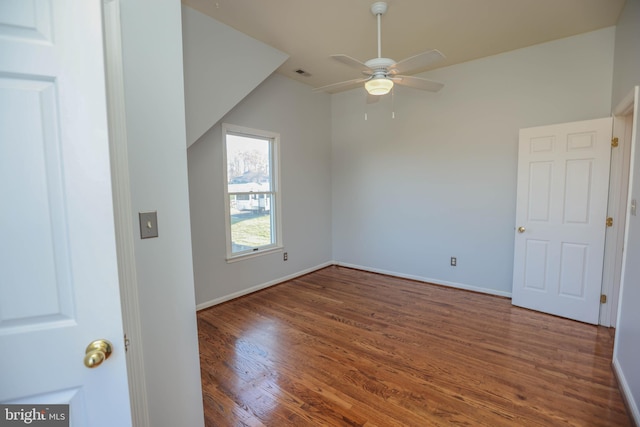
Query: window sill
[{"x": 236, "y": 258}]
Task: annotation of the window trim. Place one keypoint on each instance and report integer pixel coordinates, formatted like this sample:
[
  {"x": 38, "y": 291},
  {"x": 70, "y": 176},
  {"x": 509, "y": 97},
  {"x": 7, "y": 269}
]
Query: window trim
[{"x": 274, "y": 166}]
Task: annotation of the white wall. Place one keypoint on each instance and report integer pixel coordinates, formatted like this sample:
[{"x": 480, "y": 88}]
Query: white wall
[
  {"x": 221, "y": 66},
  {"x": 627, "y": 347},
  {"x": 626, "y": 70},
  {"x": 439, "y": 180},
  {"x": 303, "y": 120},
  {"x": 154, "y": 97}
]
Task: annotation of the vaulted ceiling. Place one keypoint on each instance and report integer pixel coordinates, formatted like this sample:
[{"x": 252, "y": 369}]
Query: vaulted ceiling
[{"x": 463, "y": 30}]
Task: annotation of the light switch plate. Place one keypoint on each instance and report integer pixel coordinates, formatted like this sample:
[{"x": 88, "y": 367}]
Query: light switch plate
[
  {"x": 633, "y": 207},
  {"x": 148, "y": 224}
]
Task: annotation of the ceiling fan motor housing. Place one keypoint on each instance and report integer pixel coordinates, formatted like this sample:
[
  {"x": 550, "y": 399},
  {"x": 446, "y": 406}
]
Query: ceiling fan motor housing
[{"x": 380, "y": 64}]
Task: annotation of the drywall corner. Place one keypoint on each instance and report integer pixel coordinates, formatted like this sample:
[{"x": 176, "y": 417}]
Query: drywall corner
[{"x": 221, "y": 67}]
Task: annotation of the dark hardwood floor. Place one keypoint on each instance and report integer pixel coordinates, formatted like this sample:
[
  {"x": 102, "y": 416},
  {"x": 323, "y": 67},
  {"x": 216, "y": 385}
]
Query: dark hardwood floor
[{"x": 342, "y": 347}]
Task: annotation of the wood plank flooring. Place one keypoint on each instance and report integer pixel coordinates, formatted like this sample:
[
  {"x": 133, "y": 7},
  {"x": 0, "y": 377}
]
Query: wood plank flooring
[{"x": 342, "y": 347}]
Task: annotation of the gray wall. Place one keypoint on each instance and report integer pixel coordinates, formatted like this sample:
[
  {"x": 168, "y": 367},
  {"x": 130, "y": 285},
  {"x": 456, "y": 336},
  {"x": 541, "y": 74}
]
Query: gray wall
[
  {"x": 626, "y": 69},
  {"x": 626, "y": 75},
  {"x": 221, "y": 66},
  {"x": 303, "y": 121},
  {"x": 439, "y": 180},
  {"x": 154, "y": 97}
]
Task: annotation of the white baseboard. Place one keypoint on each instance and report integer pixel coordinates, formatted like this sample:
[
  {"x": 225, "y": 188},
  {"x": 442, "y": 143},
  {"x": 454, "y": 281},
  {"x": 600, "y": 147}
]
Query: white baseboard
[
  {"x": 428, "y": 280},
  {"x": 626, "y": 391},
  {"x": 252, "y": 289}
]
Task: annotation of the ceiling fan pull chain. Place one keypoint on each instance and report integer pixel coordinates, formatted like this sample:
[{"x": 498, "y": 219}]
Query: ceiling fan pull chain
[
  {"x": 393, "y": 104},
  {"x": 365, "y": 107}
]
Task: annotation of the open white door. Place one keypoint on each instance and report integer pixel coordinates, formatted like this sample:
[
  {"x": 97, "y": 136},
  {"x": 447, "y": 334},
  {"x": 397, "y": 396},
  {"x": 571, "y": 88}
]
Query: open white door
[
  {"x": 563, "y": 182},
  {"x": 58, "y": 273}
]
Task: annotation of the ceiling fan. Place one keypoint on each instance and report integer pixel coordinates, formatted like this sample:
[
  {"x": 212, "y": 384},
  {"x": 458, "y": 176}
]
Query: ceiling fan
[{"x": 382, "y": 73}]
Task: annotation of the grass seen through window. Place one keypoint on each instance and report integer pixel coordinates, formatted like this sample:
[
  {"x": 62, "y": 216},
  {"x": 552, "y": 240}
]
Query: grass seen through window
[{"x": 251, "y": 230}]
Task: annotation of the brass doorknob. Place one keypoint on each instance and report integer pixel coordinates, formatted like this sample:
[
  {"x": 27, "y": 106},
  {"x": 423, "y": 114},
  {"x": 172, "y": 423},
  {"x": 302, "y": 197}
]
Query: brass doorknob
[
  {"x": 97, "y": 352},
  {"x": 521, "y": 229}
]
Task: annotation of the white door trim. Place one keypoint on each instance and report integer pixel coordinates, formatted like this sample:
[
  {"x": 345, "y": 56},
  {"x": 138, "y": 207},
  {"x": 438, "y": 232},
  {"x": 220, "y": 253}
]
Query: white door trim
[
  {"x": 628, "y": 107},
  {"x": 617, "y": 209},
  {"x": 122, "y": 212},
  {"x": 618, "y": 199}
]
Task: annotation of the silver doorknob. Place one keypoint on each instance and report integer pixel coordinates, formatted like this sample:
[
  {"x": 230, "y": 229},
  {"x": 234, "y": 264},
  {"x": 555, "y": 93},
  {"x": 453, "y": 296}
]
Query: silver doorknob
[
  {"x": 97, "y": 352},
  {"x": 521, "y": 229}
]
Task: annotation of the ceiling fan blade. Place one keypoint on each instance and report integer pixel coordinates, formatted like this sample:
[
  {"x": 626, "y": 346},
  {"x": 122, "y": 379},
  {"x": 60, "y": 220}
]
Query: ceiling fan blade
[
  {"x": 417, "y": 83},
  {"x": 341, "y": 86},
  {"x": 416, "y": 62},
  {"x": 351, "y": 62}
]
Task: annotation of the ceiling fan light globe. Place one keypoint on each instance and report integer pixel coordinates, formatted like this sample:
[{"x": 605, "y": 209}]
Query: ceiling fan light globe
[{"x": 378, "y": 86}]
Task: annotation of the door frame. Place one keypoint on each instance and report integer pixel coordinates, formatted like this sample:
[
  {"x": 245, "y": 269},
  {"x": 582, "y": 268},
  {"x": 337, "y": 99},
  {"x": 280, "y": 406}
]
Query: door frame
[
  {"x": 124, "y": 230},
  {"x": 617, "y": 209}
]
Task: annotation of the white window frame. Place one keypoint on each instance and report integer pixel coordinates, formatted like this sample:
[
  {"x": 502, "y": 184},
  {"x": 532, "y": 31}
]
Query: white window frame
[{"x": 275, "y": 178}]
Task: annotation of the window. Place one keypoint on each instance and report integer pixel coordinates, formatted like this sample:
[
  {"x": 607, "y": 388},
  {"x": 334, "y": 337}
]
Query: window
[{"x": 252, "y": 198}]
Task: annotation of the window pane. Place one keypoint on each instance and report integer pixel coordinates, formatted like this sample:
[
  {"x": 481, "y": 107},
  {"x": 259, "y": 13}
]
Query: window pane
[
  {"x": 251, "y": 221},
  {"x": 251, "y": 171},
  {"x": 248, "y": 164}
]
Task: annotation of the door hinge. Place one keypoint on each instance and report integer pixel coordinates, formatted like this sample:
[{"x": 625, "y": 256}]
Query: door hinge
[
  {"x": 609, "y": 222},
  {"x": 614, "y": 142},
  {"x": 126, "y": 343},
  {"x": 603, "y": 299}
]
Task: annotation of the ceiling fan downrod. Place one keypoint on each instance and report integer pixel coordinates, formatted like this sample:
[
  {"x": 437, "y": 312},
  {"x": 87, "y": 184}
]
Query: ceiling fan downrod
[
  {"x": 378, "y": 9},
  {"x": 379, "y": 83}
]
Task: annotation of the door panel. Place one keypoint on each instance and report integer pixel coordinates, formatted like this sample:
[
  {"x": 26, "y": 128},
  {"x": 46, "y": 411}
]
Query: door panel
[
  {"x": 58, "y": 272},
  {"x": 578, "y": 176},
  {"x": 32, "y": 164},
  {"x": 573, "y": 265},
  {"x": 563, "y": 176},
  {"x": 28, "y": 20},
  {"x": 536, "y": 260},
  {"x": 540, "y": 190}
]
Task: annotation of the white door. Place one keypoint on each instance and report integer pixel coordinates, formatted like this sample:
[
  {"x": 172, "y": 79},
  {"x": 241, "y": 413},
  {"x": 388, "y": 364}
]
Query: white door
[
  {"x": 58, "y": 273},
  {"x": 563, "y": 182}
]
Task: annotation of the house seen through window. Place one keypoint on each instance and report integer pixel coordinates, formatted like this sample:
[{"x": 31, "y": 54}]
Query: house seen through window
[{"x": 252, "y": 198}]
